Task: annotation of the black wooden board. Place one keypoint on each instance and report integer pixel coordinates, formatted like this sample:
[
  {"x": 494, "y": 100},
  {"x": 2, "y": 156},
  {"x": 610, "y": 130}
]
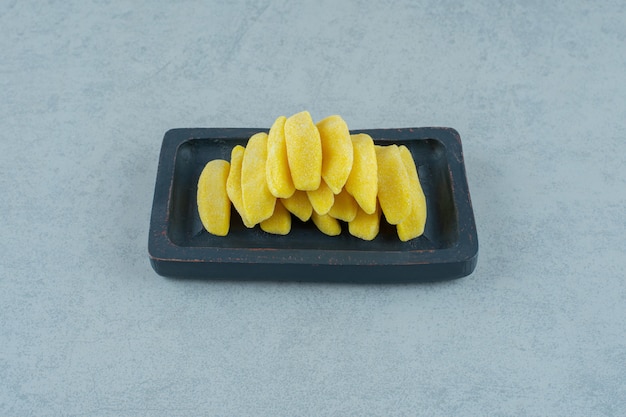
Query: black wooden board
[{"x": 178, "y": 245}]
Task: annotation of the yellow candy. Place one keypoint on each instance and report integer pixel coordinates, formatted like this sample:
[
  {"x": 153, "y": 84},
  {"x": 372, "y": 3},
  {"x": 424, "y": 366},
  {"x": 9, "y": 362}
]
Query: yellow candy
[
  {"x": 258, "y": 202},
  {"x": 362, "y": 182},
  {"x": 336, "y": 151},
  {"x": 314, "y": 171},
  {"x": 413, "y": 225},
  {"x": 365, "y": 226},
  {"x": 394, "y": 190},
  {"x": 280, "y": 221},
  {"x": 279, "y": 179},
  {"x": 321, "y": 199},
  {"x": 304, "y": 151},
  {"x": 233, "y": 184},
  {"x": 326, "y": 224},
  {"x": 299, "y": 205},
  {"x": 344, "y": 208},
  {"x": 213, "y": 202}
]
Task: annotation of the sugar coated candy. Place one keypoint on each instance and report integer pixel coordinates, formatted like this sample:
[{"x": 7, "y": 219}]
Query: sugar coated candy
[
  {"x": 213, "y": 202},
  {"x": 321, "y": 199},
  {"x": 336, "y": 151},
  {"x": 258, "y": 201},
  {"x": 326, "y": 224},
  {"x": 278, "y": 174},
  {"x": 344, "y": 208},
  {"x": 304, "y": 151},
  {"x": 299, "y": 205},
  {"x": 365, "y": 226},
  {"x": 314, "y": 171},
  {"x": 362, "y": 182},
  {"x": 279, "y": 222},
  {"x": 233, "y": 184},
  {"x": 413, "y": 225},
  {"x": 394, "y": 192}
]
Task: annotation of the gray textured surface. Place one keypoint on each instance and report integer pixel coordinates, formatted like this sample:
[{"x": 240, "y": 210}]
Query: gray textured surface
[{"x": 537, "y": 91}]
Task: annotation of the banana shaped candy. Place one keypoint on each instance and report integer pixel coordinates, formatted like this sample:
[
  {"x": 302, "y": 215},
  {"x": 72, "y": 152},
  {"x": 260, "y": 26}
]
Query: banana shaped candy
[
  {"x": 212, "y": 198},
  {"x": 318, "y": 172},
  {"x": 280, "y": 221},
  {"x": 394, "y": 189},
  {"x": 233, "y": 184},
  {"x": 365, "y": 226},
  {"x": 362, "y": 183},
  {"x": 321, "y": 199},
  {"x": 336, "y": 151},
  {"x": 258, "y": 201},
  {"x": 326, "y": 224},
  {"x": 304, "y": 151},
  {"x": 299, "y": 205},
  {"x": 345, "y": 207},
  {"x": 278, "y": 174},
  {"x": 413, "y": 225}
]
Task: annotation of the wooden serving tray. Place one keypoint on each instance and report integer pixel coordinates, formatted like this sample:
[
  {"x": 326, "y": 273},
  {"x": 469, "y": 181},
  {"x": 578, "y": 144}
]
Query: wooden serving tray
[{"x": 178, "y": 245}]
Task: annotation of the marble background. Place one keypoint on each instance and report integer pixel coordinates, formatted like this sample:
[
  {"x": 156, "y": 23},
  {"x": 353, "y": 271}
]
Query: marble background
[{"x": 537, "y": 91}]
